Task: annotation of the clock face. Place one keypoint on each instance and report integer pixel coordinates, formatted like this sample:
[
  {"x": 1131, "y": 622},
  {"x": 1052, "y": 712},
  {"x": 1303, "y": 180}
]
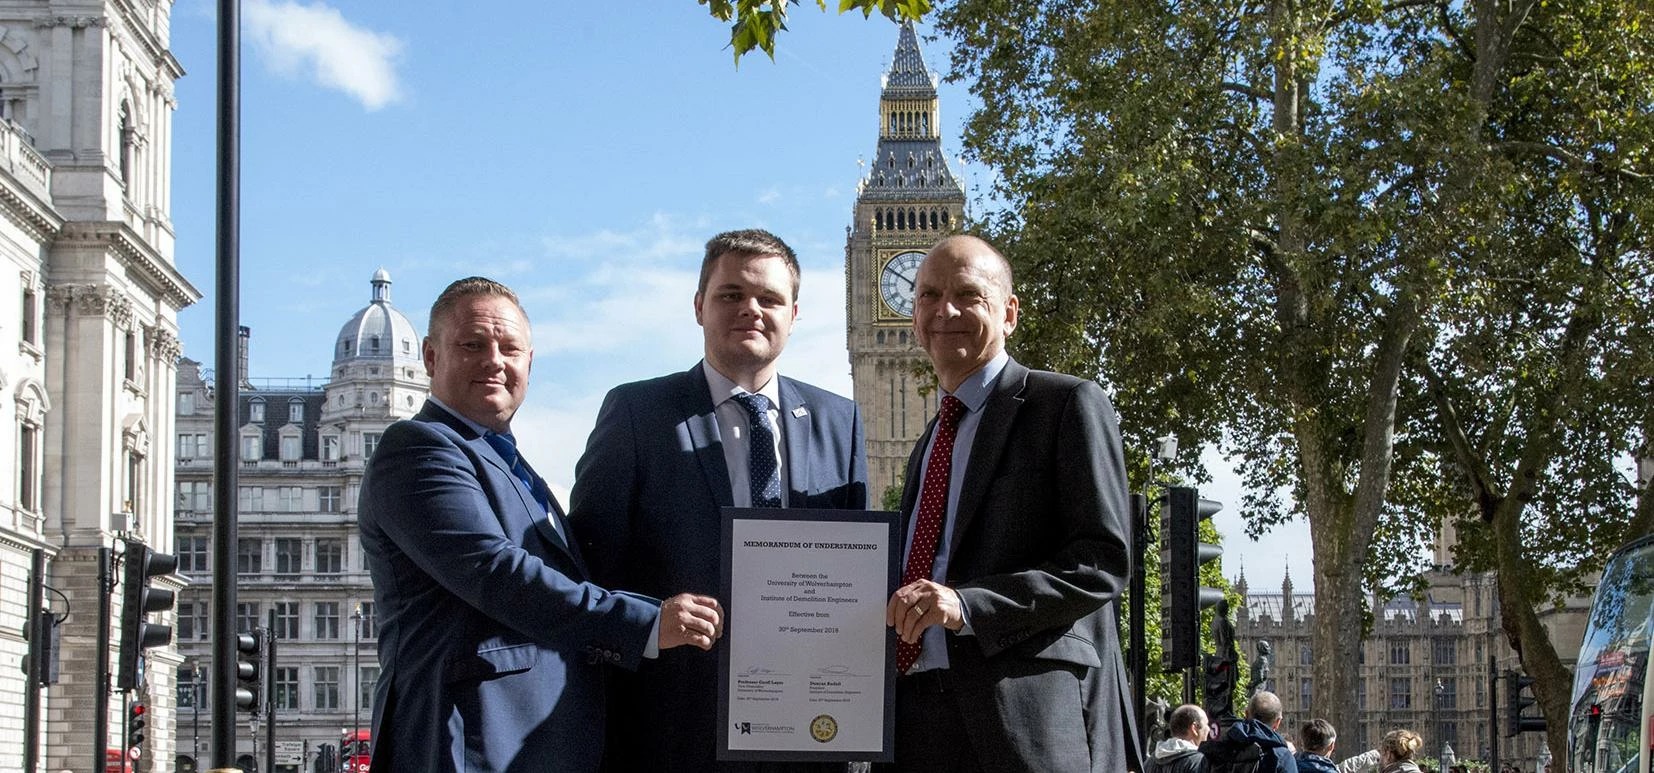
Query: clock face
[{"x": 896, "y": 282}]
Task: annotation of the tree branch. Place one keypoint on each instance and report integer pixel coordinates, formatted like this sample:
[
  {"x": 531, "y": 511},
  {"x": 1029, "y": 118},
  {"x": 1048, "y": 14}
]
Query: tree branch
[
  {"x": 1379, "y": 424},
  {"x": 1465, "y": 48},
  {"x": 1250, "y": 92},
  {"x": 1571, "y": 159},
  {"x": 1477, "y": 475}
]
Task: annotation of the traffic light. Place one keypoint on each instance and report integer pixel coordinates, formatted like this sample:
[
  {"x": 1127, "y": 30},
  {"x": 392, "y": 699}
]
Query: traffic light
[
  {"x": 40, "y": 631},
  {"x": 1218, "y": 687},
  {"x": 1516, "y": 684},
  {"x": 135, "y": 729},
  {"x": 1181, "y": 556},
  {"x": 249, "y": 668},
  {"x": 138, "y": 600}
]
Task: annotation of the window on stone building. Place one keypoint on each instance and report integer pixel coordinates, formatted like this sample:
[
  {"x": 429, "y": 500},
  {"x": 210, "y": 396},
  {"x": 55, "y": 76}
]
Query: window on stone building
[
  {"x": 292, "y": 447},
  {"x": 129, "y": 369},
  {"x": 330, "y": 448},
  {"x": 1447, "y": 693},
  {"x": 1306, "y": 656},
  {"x": 1401, "y": 692},
  {"x": 1304, "y": 694},
  {"x": 129, "y": 140},
  {"x": 370, "y": 620},
  {"x": 134, "y": 481},
  {"x": 289, "y": 555},
  {"x": 366, "y": 679},
  {"x": 249, "y": 556},
  {"x": 192, "y": 554},
  {"x": 31, "y": 314},
  {"x": 28, "y": 467},
  {"x": 1400, "y": 654},
  {"x": 326, "y": 686},
  {"x": 1445, "y": 652},
  {"x": 1481, "y": 694},
  {"x": 247, "y": 616},
  {"x": 287, "y": 620},
  {"x": 327, "y": 620},
  {"x": 252, "y": 498},
  {"x": 188, "y": 688},
  {"x": 1450, "y": 734},
  {"x": 186, "y": 623},
  {"x": 328, "y": 498},
  {"x": 290, "y": 499},
  {"x": 252, "y": 447},
  {"x": 255, "y": 411},
  {"x": 295, "y": 411},
  {"x": 186, "y": 404},
  {"x": 370, "y": 442},
  {"x": 330, "y": 556},
  {"x": 1360, "y": 694},
  {"x": 193, "y": 445},
  {"x": 286, "y": 696}
]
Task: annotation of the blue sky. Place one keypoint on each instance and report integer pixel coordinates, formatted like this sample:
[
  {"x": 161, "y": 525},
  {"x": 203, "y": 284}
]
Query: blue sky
[{"x": 580, "y": 152}]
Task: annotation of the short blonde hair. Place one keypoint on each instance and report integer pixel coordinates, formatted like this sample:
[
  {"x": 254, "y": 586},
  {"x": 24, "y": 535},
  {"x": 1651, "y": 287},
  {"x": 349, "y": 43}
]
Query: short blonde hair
[{"x": 1400, "y": 744}]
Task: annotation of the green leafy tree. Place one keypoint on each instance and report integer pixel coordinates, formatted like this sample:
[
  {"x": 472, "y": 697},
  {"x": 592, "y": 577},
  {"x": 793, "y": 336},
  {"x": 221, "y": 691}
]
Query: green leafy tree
[
  {"x": 1393, "y": 257},
  {"x": 755, "y": 23}
]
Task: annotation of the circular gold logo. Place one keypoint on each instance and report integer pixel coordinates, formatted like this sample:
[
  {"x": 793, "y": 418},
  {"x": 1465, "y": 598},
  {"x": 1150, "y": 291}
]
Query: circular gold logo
[{"x": 823, "y": 728}]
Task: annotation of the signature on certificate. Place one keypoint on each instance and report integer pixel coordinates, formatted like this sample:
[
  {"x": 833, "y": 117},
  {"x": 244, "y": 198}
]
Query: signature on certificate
[{"x": 835, "y": 672}]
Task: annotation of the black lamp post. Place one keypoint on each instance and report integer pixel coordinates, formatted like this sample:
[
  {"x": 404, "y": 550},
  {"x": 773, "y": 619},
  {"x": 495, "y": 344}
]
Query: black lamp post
[{"x": 356, "y": 720}]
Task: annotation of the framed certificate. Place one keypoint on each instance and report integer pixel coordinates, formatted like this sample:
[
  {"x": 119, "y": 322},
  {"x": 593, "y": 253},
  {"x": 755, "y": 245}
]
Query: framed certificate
[{"x": 805, "y": 668}]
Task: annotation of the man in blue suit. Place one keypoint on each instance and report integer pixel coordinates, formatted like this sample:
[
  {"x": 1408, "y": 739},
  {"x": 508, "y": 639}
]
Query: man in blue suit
[
  {"x": 667, "y": 453},
  {"x": 493, "y": 641}
]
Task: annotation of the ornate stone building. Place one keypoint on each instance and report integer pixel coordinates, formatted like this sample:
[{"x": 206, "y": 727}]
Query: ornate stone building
[
  {"x": 301, "y": 445},
  {"x": 89, "y": 298},
  {"x": 908, "y": 200},
  {"x": 1425, "y": 666}
]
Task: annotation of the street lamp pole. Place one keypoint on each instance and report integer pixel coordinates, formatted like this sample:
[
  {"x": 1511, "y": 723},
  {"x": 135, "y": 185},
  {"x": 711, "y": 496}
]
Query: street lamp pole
[
  {"x": 356, "y": 679},
  {"x": 195, "y": 701}
]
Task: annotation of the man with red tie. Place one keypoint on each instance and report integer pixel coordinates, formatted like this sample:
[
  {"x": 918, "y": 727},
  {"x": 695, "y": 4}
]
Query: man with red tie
[{"x": 1015, "y": 549}]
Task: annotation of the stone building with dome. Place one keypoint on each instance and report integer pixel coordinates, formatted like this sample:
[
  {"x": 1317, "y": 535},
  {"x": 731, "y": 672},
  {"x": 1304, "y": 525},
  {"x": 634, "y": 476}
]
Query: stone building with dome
[{"x": 302, "y": 444}]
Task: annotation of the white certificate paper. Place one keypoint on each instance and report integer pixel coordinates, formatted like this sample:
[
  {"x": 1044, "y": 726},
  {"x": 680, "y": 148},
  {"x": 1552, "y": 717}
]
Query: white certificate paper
[{"x": 806, "y": 672}]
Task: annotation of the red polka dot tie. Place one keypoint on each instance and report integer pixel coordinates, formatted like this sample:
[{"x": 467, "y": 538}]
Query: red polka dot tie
[{"x": 932, "y": 509}]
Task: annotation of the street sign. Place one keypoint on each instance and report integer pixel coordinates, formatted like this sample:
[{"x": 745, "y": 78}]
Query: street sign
[{"x": 289, "y": 752}]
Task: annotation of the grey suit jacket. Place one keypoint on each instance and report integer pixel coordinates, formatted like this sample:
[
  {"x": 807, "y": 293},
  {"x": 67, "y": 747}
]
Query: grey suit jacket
[{"x": 1040, "y": 552}]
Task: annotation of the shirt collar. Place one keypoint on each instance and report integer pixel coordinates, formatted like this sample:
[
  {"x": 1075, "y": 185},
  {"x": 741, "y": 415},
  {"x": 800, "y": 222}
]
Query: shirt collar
[
  {"x": 475, "y": 427},
  {"x": 976, "y": 387},
  {"x": 723, "y": 388}
]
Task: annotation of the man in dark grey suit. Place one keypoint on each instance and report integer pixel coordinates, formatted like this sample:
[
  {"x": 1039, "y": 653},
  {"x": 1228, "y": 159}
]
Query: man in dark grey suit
[
  {"x": 669, "y": 452},
  {"x": 1016, "y": 547},
  {"x": 493, "y": 642}
]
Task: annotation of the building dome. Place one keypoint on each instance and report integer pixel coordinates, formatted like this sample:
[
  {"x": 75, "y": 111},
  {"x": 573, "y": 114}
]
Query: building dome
[{"x": 378, "y": 333}]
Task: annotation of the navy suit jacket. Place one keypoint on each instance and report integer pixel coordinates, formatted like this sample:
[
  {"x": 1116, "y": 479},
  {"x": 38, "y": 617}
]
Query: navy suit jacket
[
  {"x": 646, "y": 510},
  {"x": 492, "y": 639},
  {"x": 1040, "y": 552}
]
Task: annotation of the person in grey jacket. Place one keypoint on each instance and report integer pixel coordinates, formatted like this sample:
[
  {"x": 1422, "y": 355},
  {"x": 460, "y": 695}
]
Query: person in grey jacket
[
  {"x": 1393, "y": 755},
  {"x": 1180, "y": 752}
]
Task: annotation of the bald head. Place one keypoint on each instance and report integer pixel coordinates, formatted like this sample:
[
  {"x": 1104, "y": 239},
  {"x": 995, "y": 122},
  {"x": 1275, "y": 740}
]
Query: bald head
[
  {"x": 965, "y": 244},
  {"x": 1265, "y": 707}
]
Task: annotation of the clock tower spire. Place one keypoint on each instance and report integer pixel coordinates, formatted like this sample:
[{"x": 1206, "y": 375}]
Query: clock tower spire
[{"x": 908, "y": 199}]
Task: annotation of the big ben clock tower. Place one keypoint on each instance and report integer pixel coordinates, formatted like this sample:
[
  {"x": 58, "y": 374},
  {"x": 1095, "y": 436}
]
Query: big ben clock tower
[{"x": 907, "y": 201}]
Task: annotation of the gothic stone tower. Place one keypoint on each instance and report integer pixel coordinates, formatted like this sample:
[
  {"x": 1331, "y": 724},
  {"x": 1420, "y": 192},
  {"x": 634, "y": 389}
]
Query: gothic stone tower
[{"x": 907, "y": 201}]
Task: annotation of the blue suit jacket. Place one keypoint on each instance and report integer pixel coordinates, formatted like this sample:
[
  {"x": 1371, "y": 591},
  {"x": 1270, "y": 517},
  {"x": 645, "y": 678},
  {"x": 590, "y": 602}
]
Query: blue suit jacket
[
  {"x": 491, "y": 638},
  {"x": 645, "y": 509}
]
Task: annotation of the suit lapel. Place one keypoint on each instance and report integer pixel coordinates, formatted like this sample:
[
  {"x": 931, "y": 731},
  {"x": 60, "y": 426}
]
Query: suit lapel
[
  {"x": 695, "y": 405},
  {"x": 486, "y": 452},
  {"x": 992, "y": 435},
  {"x": 799, "y": 430}
]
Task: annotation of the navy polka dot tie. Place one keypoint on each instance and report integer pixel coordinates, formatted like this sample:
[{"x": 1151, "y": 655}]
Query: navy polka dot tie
[
  {"x": 933, "y": 507},
  {"x": 763, "y": 475}
]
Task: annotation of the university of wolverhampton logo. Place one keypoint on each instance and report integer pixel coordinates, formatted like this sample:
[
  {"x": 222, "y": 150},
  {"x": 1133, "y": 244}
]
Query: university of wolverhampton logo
[
  {"x": 824, "y": 728},
  {"x": 745, "y": 728}
]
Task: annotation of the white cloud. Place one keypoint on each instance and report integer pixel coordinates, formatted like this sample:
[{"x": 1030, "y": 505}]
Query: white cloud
[
  {"x": 295, "y": 37},
  {"x": 769, "y": 196}
]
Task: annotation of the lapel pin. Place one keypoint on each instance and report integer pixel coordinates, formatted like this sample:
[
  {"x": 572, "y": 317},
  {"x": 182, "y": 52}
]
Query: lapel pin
[{"x": 800, "y": 412}]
